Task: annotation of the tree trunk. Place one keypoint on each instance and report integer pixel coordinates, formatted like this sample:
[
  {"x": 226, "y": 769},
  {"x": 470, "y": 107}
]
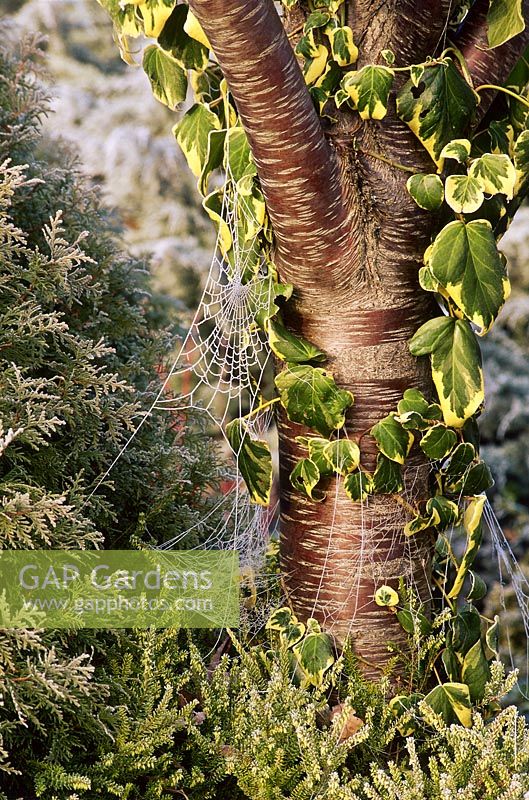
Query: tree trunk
[{"x": 351, "y": 240}]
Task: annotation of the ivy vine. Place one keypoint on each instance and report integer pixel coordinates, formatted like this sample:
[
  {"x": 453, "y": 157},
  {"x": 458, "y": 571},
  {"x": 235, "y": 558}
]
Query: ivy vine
[{"x": 475, "y": 186}]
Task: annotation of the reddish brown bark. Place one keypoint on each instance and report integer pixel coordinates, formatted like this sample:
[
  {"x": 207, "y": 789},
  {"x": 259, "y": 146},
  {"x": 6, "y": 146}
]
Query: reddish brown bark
[{"x": 351, "y": 240}]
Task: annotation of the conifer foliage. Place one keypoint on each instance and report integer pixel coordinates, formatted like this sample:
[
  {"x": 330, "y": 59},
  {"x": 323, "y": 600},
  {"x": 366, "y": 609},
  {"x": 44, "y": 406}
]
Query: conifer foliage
[{"x": 82, "y": 342}]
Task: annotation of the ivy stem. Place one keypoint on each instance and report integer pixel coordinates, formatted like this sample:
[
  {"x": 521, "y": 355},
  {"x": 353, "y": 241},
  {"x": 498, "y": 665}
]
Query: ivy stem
[
  {"x": 402, "y": 502},
  {"x": 260, "y": 407},
  {"x": 395, "y": 164},
  {"x": 504, "y": 90}
]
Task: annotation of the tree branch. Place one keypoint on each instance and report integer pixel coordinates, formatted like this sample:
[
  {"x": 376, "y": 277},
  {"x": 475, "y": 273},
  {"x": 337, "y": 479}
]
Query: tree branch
[
  {"x": 489, "y": 65},
  {"x": 297, "y": 167}
]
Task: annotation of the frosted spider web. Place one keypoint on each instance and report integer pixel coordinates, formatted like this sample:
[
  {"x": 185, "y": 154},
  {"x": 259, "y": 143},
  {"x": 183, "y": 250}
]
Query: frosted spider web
[{"x": 218, "y": 372}]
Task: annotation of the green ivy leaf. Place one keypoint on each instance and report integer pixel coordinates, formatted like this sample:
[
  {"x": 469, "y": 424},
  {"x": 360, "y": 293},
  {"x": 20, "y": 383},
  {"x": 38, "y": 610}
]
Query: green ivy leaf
[
  {"x": 472, "y": 525},
  {"x": 189, "y": 53},
  {"x": 253, "y": 460},
  {"x": 426, "y": 190},
  {"x": 237, "y": 155},
  {"x": 342, "y": 455},
  {"x": 504, "y": 20},
  {"x": 289, "y": 347},
  {"x": 414, "y": 411},
  {"x": 476, "y": 480},
  {"x": 393, "y": 440},
  {"x": 438, "y": 442},
  {"x": 460, "y": 460},
  {"x": 478, "y": 587},
  {"x": 431, "y": 335},
  {"x": 465, "y": 260},
  {"x": 475, "y": 671},
  {"x": 492, "y": 637},
  {"x": 387, "y": 478},
  {"x": 305, "y": 477},
  {"x": 310, "y": 396},
  {"x": 465, "y": 630},
  {"x": 168, "y": 79},
  {"x": 458, "y": 149},
  {"x": 443, "y": 109},
  {"x": 463, "y": 194},
  {"x": 358, "y": 485},
  {"x": 192, "y": 134},
  {"x": 213, "y": 159},
  {"x": 368, "y": 90},
  {"x": 452, "y": 702},
  {"x": 316, "y": 445},
  {"x": 456, "y": 366},
  {"x": 314, "y": 653}
]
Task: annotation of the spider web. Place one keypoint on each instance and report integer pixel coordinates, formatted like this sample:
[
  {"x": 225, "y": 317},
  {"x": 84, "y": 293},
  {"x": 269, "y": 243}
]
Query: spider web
[{"x": 219, "y": 371}]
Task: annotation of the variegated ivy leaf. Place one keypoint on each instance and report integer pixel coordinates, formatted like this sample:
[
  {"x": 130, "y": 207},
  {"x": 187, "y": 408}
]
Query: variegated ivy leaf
[
  {"x": 521, "y": 160},
  {"x": 213, "y": 159},
  {"x": 368, "y": 90},
  {"x": 428, "y": 282},
  {"x": 387, "y": 478},
  {"x": 388, "y": 56},
  {"x": 386, "y": 596},
  {"x": 314, "y": 654},
  {"x": 192, "y": 134},
  {"x": 492, "y": 637},
  {"x": 287, "y": 625},
  {"x": 443, "y": 109},
  {"x": 318, "y": 19},
  {"x": 497, "y": 138},
  {"x": 253, "y": 460},
  {"x": 305, "y": 477},
  {"x": 452, "y": 702},
  {"x": 416, "y": 73},
  {"x": 456, "y": 366},
  {"x": 358, "y": 485},
  {"x": 343, "y": 49},
  {"x": 458, "y": 149},
  {"x": 465, "y": 260},
  {"x": 316, "y": 445},
  {"x": 289, "y": 347},
  {"x": 154, "y": 14},
  {"x": 417, "y": 524},
  {"x": 325, "y": 86},
  {"x": 415, "y": 412},
  {"x": 262, "y": 298},
  {"x": 438, "y": 442},
  {"x": 495, "y": 174},
  {"x": 307, "y": 46},
  {"x": 168, "y": 79},
  {"x": 315, "y": 66},
  {"x": 445, "y": 511},
  {"x": 426, "y": 190},
  {"x": 472, "y": 525},
  {"x": 310, "y": 396},
  {"x": 478, "y": 588},
  {"x": 504, "y": 20},
  {"x": 213, "y": 205},
  {"x": 463, "y": 193},
  {"x": 194, "y": 29},
  {"x": 392, "y": 439},
  {"x": 342, "y": 455},
  {"x": 187, "y": 51}
]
